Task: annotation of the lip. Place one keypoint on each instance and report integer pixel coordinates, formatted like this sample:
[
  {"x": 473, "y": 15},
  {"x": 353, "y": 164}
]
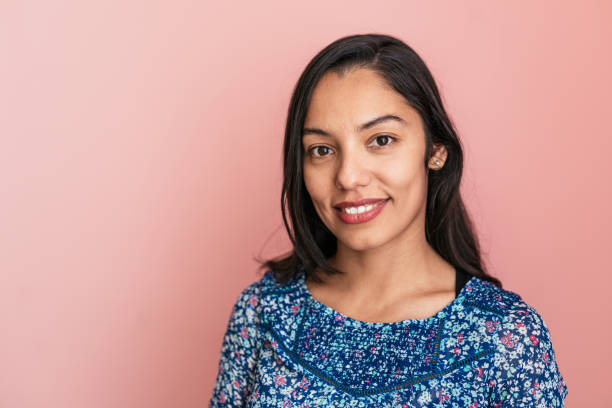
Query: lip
[
  {"x": 365, "y": 201},
  {"x": 364, "y": 216}
]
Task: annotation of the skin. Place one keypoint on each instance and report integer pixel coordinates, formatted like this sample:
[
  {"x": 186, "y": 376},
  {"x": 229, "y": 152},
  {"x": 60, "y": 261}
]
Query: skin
[{"x": 392, "y": 273}]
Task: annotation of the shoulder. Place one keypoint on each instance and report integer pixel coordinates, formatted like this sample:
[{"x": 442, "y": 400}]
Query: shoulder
[
  {"x": 486, "y": 296},
  {"x": 514, "y": 327},
  {"x": 524, "y": 369},
  {"x": 521, "y": 339},
  {"x": 262, "y": 307},
  {"x": 246, "y": 308},
  {"x": 511, "y": 309},
  {"x": 506, "y": 306},
  {"x": 251, "y": 296}
]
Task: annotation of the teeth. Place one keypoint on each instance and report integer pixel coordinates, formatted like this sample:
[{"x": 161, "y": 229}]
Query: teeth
[{"x": 358, "y": 210}]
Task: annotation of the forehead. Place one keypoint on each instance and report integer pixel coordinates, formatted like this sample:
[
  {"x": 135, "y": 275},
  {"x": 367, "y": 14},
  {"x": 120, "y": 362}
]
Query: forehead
[{"x": 359, "y": 95}]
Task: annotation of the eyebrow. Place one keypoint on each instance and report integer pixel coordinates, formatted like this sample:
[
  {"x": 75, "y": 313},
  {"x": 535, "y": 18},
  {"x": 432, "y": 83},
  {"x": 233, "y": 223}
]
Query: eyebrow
[{"x": 361, "y": 128}]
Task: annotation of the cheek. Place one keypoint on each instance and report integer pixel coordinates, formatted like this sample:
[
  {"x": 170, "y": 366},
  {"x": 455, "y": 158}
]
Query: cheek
[
  {"x": 316, "y": 183},
  {"x": 402, "y": 175}
]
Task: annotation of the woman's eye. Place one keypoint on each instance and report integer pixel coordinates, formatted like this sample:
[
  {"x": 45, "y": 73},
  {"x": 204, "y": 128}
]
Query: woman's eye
[
  {"x": 386, "y": 138},
  {"x": 313, "y": 149}
]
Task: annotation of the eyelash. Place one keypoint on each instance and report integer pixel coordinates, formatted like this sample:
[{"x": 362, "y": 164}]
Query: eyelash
[{"x": 313, "y": 148}]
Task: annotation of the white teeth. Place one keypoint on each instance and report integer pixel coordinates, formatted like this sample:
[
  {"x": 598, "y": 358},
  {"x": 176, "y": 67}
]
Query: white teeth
[{"x": 358, "y": 210}]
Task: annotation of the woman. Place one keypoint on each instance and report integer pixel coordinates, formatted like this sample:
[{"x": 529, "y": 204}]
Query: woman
[{"x": 384, "y": 301}]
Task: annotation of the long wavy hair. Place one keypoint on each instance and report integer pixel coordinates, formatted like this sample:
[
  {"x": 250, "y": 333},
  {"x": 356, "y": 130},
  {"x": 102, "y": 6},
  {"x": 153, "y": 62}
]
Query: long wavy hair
[{"x": 448, "y": 227}]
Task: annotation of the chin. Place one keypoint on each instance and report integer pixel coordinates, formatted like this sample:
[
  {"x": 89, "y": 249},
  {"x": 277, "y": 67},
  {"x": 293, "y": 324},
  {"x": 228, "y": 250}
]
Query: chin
[{"x": 360, "y": 242}]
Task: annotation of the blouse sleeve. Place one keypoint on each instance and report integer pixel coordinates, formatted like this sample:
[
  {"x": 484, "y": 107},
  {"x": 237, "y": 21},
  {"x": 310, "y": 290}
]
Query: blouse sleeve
[
  {"x": 525, "y": 372},
  {"x": 239, "y": 352}
]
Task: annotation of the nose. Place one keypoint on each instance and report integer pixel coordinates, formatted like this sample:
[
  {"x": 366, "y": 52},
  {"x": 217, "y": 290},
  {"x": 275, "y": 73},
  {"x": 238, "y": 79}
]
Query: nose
[{"x": 352, "y": 172}]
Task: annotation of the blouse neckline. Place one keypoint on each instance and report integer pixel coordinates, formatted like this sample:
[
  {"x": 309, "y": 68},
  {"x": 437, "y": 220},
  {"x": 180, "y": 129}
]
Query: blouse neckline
[{"x": 445, "y": 311}]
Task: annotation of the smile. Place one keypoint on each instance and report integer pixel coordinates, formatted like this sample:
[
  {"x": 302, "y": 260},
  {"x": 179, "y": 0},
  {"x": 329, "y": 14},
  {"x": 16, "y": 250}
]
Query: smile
[{"x": 363, "y": 213}]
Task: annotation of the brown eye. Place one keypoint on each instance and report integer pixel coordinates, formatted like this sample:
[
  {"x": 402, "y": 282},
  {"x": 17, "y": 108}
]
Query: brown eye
[
  {"x": 386, "y": 138},
  {"x": 313, "y": 149}
]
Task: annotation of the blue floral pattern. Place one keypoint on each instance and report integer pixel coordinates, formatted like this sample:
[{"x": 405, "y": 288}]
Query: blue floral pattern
[{"x": 486, "y": 348}]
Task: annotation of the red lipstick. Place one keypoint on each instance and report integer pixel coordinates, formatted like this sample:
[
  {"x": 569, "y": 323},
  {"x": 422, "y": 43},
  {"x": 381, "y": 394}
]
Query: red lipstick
[
  {"x": 364, "y": 201},
  {"x": 376, "y": 204}
]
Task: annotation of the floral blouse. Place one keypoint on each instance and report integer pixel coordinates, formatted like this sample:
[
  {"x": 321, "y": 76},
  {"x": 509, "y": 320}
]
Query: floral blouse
[{"x": 486, "y": 348}]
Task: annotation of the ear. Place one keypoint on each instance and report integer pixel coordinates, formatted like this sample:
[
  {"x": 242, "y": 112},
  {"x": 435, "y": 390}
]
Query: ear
[{"x": 437, "y": 159}]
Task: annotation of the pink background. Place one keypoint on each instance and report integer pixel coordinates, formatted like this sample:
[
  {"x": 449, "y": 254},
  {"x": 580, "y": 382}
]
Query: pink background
[{"x": 140, "y": 173}]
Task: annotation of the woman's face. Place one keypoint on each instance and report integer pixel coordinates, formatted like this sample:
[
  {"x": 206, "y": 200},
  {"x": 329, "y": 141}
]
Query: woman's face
[{"x": 350, "y": 156}]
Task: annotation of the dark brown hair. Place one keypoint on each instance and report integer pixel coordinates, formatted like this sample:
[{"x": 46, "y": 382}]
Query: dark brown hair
[{"x": 448, "y": 227}]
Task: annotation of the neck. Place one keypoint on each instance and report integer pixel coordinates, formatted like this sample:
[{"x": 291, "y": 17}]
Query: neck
[{"x": 390, "y": 271}]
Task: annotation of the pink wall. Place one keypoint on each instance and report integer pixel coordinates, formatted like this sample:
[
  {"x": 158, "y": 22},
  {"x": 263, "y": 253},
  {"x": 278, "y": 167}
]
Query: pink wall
[{"x": 140, "y": 170}]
